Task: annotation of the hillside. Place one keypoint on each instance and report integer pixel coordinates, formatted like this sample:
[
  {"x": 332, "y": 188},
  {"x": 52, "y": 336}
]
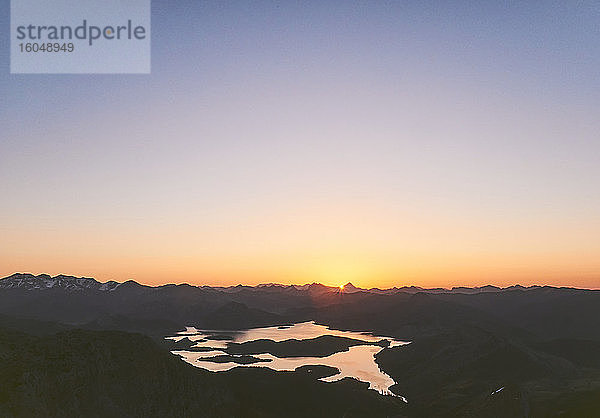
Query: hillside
[{"x": 108, "y": 374}]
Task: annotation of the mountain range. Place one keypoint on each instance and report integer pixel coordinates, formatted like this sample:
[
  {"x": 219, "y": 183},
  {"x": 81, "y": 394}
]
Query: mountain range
[
  {"x": 72, "y": 283},
  {"x": 486, "y": 351}
]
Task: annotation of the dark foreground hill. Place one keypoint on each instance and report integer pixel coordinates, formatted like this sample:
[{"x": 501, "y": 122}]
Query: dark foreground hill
[
  {"x": 473, "y": 372},
  {"x": 112, "y": 373},
  {"x": 115, "y": 374}
]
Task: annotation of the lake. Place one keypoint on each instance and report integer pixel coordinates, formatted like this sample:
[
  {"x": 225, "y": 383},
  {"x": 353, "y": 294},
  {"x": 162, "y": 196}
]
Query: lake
[{"x": 357, "y": 362}]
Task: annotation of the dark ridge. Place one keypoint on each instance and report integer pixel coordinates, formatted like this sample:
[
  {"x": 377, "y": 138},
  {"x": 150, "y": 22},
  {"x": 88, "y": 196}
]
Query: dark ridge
[
  {"x": 114, "y": 374},
  {"x": 242, "y": 359}
]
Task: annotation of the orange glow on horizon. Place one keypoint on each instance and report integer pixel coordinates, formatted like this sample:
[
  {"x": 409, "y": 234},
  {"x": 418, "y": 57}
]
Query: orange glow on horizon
[
  {"x": 156, "y": 276},
  {"x": 372, "y": 251}
]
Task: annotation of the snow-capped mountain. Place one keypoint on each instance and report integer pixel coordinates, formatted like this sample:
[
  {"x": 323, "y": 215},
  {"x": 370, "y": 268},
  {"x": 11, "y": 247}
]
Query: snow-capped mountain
[{"x": 27, "y": 281}]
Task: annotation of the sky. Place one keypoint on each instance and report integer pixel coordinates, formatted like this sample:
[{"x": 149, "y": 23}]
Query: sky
[{"x": 383, "y": 143}]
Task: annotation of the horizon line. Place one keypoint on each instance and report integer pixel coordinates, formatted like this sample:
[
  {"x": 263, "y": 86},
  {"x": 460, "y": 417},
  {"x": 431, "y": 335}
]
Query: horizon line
[{"x": 348, "y": 284}]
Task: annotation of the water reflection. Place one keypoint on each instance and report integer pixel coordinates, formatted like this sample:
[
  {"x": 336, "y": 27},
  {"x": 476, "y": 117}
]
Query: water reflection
[{"x": 358, "y": 362}]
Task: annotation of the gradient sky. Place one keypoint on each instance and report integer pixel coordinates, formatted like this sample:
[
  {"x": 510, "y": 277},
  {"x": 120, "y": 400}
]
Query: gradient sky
[{"x": 383, "y": 143}]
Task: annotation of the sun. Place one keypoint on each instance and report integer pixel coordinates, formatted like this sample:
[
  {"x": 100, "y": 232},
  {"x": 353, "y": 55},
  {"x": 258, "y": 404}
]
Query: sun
[
  {"x": 341, "y": 288},
  {"x": 335, "y": 272}
]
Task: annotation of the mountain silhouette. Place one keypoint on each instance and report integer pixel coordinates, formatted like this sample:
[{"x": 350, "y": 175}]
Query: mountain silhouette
[{"x": 483, "y": 351}]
